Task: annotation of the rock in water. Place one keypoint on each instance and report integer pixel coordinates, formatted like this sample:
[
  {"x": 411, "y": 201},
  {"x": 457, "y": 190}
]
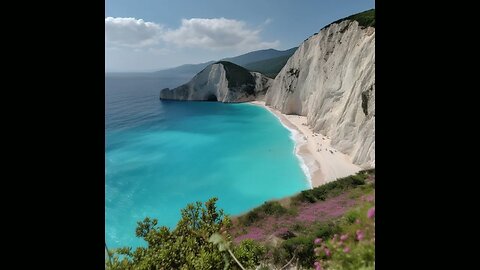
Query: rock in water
[
  {"x": 222, "y": 81},
  {"x": 330, "y": 79}
]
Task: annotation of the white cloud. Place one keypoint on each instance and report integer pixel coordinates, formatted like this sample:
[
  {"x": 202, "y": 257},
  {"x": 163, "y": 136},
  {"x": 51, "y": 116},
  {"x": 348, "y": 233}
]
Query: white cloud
[
  {"x": 134, "y": 44},
  {"x": 130, "y": 32},
  {"x": 217, "y": 34}
]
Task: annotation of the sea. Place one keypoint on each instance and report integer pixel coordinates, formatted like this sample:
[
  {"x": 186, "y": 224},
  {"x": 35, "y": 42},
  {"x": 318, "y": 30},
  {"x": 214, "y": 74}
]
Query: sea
[{"x": 162, "y": 155}]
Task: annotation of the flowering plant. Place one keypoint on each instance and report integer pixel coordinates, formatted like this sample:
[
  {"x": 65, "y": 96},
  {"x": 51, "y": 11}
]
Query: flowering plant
[{"x": 354, "y": 248}]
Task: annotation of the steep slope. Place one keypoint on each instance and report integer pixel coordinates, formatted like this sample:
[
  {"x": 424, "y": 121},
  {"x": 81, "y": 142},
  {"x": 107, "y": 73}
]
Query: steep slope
[
  {"x": 222, "y": 81},
  {"x": 330, "y": 79},
  {"x": 260, "y": 55}
]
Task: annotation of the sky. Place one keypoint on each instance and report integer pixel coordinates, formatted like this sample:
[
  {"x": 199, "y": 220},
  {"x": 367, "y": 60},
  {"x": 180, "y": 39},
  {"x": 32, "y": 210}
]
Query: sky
[{"x": 149, "y": 35}]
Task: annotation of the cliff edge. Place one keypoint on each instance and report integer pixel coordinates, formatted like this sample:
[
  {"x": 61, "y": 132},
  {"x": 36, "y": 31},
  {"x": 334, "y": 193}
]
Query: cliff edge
[{"x": 330, "y": 79}]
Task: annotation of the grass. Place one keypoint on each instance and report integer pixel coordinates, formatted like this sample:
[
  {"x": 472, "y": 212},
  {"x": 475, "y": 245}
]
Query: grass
[
  {"x": 272, "y": 208},
  {"x": 331, "y": 189},
  {"x": 303, "y": 247},
  {"x": 362, "y": 252},
  {"x": 300, "y": 242},
  {"x": 356, "y": 184}
]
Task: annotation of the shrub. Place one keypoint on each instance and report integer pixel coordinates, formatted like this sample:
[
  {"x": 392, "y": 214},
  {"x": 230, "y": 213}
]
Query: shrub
[
  {"x": 298, "y": 227},
  {"x": 249, "y": 253},
  {"x": 273, "y": 208},
  {"x": 351, "y": 217},
  {"x": 302, "y": 247},
  {"x": 186, "y": 247},
  {"x": 249, "y": 218},
  {"x": 331, "y": 189},
  {"x": 361, "y": 256},
  {"x": 355, "y": 248},
  {"x": 280, "y": 256},
  {"x": 327, "y": 230},
  {"x": 266, "y": 209}
]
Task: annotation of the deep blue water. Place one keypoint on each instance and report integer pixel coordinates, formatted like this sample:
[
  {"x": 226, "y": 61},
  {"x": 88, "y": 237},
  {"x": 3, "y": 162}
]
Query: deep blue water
[{"x": 161, "y": 155}]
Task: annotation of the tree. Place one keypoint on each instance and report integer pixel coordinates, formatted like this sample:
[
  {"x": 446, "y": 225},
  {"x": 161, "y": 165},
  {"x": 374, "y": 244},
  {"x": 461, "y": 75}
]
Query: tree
[{"x": 186, "y": 247}]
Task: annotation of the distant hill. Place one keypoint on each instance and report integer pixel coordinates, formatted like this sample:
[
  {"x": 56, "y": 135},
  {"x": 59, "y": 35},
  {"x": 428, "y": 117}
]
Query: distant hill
[
  {"x": 188, "y": 70},
  {"x": 260, "y": 55},
  {"x": 274, "y": 60},
  {"x": 269, "y": 67}
]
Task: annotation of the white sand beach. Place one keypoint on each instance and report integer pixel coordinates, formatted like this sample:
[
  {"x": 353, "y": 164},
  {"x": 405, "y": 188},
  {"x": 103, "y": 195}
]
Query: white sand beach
[{"x": 322, "y": 162}]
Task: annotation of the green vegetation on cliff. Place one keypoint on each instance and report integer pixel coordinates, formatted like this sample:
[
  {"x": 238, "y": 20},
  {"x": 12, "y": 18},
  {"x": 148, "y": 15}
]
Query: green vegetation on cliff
[
  {"x": 364, "y": 19},
  {"x": 238, "y": 76},
  {"x": 328, "y": 227}
]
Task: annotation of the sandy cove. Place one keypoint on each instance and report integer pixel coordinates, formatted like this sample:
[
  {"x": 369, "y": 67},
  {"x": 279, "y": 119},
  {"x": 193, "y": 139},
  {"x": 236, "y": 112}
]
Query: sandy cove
[{"x": 321, "y": 161}]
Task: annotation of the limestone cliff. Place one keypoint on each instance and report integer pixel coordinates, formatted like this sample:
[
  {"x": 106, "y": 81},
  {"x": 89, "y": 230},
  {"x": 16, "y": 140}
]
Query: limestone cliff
[
  {"x": 222, "y": 81},
  {"x": 331, "y": 80}
]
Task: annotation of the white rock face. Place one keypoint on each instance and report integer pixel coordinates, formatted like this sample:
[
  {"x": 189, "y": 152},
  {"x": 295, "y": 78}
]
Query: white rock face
[
  {"x": 331, "y": 80},
  {"x": 213, "y": 84},
  {"x": 262, "y": 84}
]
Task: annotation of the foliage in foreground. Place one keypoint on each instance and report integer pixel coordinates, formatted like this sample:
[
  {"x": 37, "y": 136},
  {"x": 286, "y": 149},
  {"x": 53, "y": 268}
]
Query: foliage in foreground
[
  {"x": 189, "y": 245},
  {"x": 354, "y": 248},
  {"x": 201, "y": 239}
]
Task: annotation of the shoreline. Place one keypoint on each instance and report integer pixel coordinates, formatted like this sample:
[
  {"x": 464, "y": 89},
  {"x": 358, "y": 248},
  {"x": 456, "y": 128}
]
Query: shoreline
[{"x": 320, "y": 162}]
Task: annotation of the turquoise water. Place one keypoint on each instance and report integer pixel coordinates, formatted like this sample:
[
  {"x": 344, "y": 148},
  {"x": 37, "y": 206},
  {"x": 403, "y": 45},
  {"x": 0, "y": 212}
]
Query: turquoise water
[{"x": 162, "y": 155}]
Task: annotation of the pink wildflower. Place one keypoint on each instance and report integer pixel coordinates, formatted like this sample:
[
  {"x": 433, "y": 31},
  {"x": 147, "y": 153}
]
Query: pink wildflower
[
  {"x": 318, "y": 241},
  {"x": 346, "y": 249},
  {"x": 344, "y": 237},
  {"x": 371, "y": 212},
  {"x": 360, "y": 235},
  {"x": 318, "y": 266},
  {"x": 327, "y": 252}
]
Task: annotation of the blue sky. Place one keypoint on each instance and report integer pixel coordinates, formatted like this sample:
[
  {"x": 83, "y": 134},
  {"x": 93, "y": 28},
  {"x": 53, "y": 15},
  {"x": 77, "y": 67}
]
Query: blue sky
[{"x": 147, "y": 35}]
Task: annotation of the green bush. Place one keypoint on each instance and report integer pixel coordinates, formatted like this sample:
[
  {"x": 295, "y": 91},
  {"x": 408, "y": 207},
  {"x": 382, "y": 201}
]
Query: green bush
[
  {"x": 249, "y": 253},
  {"x": 302, "y": 247},
  {"x": 186, "y": 247},
  {"x": 351, "y": 217},
  {"x": 249, "y": 218},
  {"x": 327, "y": 230},
  {"x": 280, "y": 256},
  {"x": 361, "y": 256},
  {"x": 331, "y": 189},
  {"x": 353, "y": 252},
  {"x": 273, "y": 208},
  {"x": 267, "y": 209}
]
